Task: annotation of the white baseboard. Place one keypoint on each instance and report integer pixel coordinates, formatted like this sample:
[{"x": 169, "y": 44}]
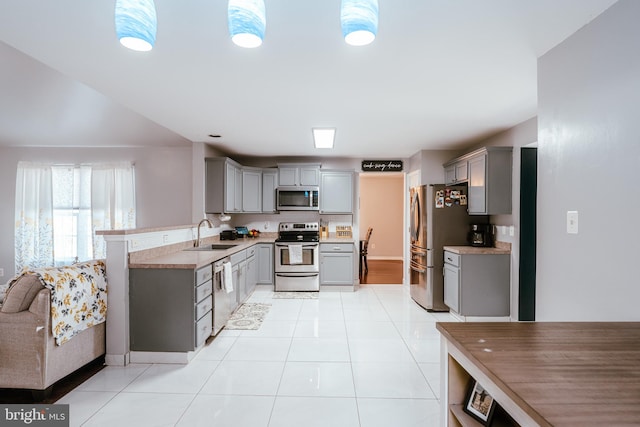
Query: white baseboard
[
  {"x": 162, "y": 357},
  {"x": 480, "y": 318}
]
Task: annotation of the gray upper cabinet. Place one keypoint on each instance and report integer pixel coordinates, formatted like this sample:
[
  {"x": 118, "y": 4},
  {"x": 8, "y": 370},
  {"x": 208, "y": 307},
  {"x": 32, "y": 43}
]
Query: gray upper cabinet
[
  {"x": 269, "y": 185},
  {"x": 233, "y": 188},
  {"x": 223, "y": 185},
  {"x": 456, "y": 173},
  {"x": 251, "y": 190},
  {"x": 488, "y": 173},
  {"x": 299, "y": 175},
  {"x": 336, "y": 192}
]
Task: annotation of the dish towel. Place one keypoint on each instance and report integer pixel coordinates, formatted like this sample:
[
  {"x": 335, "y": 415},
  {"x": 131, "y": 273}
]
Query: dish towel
[
  {"x": 227, "y": 277},
  {"x": 295, "y": 254}
]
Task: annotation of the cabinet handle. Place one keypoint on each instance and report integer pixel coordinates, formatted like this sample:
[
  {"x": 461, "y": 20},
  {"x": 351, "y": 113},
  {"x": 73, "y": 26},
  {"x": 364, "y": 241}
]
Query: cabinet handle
[{"x": 336, "y": 248}]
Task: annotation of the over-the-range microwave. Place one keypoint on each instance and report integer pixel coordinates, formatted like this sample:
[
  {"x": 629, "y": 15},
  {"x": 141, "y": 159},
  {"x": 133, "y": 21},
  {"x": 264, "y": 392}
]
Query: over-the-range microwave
[{"x": 297, "y": 198}]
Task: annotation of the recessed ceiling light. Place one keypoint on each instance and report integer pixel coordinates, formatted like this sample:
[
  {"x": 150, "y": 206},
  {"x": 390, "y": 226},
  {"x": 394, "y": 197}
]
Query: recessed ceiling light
[{"x": 324, "y": 137}]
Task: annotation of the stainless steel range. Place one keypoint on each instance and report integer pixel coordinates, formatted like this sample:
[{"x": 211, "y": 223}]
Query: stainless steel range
[{"x": 297, "y": 257}]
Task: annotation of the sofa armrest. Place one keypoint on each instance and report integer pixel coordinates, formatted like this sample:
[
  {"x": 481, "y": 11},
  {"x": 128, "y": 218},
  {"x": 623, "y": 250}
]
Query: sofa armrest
[{"x": 41, "y": 304}]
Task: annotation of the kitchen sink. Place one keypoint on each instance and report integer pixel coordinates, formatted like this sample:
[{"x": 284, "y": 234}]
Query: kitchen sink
[{"x": 213, "y": 247}]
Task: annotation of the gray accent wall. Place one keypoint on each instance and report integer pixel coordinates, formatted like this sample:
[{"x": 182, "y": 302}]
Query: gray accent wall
[{"x": 588, "y": 158}]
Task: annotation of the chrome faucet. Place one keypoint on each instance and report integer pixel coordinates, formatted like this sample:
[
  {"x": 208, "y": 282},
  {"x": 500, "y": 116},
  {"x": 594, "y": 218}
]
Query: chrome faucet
[{"x": 197, "y": 245}]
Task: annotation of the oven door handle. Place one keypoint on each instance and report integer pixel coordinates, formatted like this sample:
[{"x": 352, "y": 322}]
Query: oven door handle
[{"x": 312, "y": 245}]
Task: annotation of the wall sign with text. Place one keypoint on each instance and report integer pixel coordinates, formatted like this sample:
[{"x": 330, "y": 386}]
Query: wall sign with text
[{"x": 382, "y": 166}]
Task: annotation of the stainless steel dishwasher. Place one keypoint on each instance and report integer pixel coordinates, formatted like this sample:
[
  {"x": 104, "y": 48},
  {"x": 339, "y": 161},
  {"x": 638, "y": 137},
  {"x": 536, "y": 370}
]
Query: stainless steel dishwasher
[{"x": 223, "y": 301}]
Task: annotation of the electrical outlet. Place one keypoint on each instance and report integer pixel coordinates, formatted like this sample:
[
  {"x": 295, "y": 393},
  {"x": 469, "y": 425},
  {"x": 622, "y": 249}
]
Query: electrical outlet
[
  {"x": 512, "y": 230},
  {"x": 165, "y": 238},
  {"x": 373, "y": 246},
  {"x": 1, "y": 272}
]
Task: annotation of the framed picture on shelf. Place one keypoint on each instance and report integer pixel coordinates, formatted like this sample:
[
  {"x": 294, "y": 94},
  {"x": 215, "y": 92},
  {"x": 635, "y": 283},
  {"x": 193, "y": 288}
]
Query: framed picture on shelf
[{"x": 479, "y": 404}]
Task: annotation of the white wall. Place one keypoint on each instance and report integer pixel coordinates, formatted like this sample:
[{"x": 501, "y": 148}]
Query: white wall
[
  {"x": 588, "y": 158},
  {"x": 163, "y": 181}
]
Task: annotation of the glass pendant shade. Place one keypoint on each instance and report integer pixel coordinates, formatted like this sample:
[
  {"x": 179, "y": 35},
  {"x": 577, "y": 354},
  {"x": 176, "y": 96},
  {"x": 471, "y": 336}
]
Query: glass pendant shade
[
  {"x": 136, "y": 24},
  {"x": 359, "y": 19},
  {"x": 247, "y": 22}
]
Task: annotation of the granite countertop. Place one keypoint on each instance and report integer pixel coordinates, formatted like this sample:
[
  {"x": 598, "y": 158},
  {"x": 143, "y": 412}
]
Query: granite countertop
[
  {"x": 474, "y": 250},
  {"x": 185, "y": 259}
]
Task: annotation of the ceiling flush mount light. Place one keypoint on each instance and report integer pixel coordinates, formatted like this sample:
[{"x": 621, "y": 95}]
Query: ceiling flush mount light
[
  {"x": 136, "y": 24},
  {"x": 359, "y": 19},
  {"x": 324, "y": 137},
  {"x": 247, "y": 22}
]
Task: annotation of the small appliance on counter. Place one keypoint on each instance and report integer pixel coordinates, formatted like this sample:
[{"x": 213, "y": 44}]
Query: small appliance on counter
[
  {"x": 481, "y": 235},
  {"x": 228, "y": 235},
  {"x": 242, "y": 231}
]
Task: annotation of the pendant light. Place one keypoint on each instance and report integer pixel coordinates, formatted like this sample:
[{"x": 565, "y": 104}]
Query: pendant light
[
  {"x": 136, "y": 24},
  {"x": 359, "y": 19},
  {"x": 247, "y": 22}
]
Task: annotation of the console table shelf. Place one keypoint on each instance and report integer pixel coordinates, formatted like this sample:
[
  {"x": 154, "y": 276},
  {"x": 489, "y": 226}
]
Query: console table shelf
[{"x": 544, "y": 373}]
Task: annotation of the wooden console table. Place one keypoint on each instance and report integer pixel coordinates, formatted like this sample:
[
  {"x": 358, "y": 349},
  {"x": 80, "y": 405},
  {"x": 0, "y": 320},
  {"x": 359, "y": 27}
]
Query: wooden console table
[{"x": 544, "y": 373}]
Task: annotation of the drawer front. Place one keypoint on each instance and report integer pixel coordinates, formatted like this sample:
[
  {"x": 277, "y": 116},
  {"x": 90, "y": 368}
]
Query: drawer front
[
  {"x": 204, "y": 328},
  {"x": 251, "y": 251},
  {"x": 336, "y": 247},
  {"x": 204, "y": 290},
  {"x": 451, "y": 258},
  {"x": 204, "y": 274},
  {"x": 204, "y": 306}
]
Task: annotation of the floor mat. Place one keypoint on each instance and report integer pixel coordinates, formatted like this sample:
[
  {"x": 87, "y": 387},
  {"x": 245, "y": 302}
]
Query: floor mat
[{"x": 248, "y": 317}]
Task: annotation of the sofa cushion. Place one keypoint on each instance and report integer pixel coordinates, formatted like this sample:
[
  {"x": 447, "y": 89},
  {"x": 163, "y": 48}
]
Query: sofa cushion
[{"x": 21, "y": 293}]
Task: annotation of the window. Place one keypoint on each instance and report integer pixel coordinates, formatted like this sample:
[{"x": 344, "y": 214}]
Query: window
[
  {"x": 72, "y": 234},
  {"x": 59, "y": 208}
]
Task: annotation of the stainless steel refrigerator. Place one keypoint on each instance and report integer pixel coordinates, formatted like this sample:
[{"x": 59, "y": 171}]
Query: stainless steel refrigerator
[{"x": 438, "y": 217}]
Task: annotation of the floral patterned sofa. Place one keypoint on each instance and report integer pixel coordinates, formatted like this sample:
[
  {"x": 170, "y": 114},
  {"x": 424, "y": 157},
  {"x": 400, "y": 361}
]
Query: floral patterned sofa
[{"x": 51, "y": 324}]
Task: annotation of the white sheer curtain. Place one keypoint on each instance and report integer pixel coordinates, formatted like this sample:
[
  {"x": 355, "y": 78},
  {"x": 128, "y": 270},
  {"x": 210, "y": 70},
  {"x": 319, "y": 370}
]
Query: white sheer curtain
[
  {"x": 59, "y": 208},
  {"x": 34, "y": 216},
  {"x": 113, "y": 200}
]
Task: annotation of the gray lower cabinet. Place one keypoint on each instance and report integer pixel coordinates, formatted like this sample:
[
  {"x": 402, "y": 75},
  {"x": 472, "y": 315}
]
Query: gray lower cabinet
[
  {"x": 477, "y": 284},
  {"x": 239, "y": 270},
  {"x": 265, "y": 264},
  {"x": 252, "y": 272},
  {"x": 170, "y": 310},
  {"x": 336, "y": 264}
]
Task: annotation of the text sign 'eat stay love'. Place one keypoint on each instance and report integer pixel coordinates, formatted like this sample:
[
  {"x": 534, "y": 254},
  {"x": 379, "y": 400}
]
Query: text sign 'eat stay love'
[{"x": 382, "y": 166}]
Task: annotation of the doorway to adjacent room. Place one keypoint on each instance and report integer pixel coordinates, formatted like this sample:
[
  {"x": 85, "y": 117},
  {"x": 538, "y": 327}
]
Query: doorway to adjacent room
[{"x": 382, "y": 208}]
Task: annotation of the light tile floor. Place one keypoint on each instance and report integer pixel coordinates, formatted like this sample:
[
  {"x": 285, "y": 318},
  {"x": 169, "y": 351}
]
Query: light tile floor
[{"x": 368, "y": 358}]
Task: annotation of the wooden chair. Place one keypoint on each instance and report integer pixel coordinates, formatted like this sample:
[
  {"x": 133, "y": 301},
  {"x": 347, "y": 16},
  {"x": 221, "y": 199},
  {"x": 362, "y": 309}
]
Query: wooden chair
[{"x": 364, "y": 246}]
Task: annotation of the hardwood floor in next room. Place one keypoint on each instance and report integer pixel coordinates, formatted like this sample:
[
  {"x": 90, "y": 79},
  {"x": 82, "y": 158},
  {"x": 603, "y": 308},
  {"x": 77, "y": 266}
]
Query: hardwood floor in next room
[{"x": 383, "y": 272}]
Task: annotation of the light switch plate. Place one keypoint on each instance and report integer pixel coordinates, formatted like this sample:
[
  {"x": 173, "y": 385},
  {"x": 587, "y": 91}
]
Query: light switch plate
[
  {"x": 572, "y": 222},
  {"x": 512, "y": 230}
]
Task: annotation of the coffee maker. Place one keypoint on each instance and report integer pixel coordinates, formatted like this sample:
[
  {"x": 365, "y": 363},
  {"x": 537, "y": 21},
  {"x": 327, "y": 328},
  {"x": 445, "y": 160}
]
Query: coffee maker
[{"x": 481, "y": 235}]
